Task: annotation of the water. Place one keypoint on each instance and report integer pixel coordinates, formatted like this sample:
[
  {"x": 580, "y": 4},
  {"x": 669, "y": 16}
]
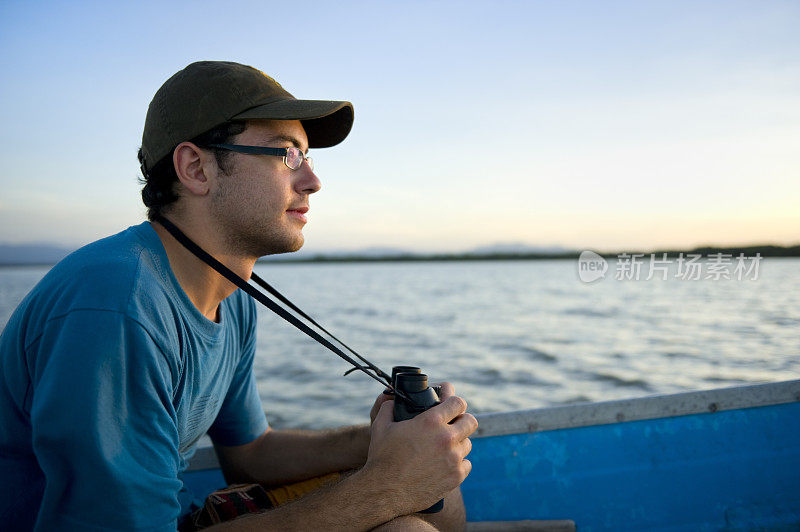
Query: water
[{"x": 511, "y": 334}]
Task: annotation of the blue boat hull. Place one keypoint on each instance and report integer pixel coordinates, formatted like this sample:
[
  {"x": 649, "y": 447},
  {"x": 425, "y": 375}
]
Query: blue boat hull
[{"x": 732, "y": 470}]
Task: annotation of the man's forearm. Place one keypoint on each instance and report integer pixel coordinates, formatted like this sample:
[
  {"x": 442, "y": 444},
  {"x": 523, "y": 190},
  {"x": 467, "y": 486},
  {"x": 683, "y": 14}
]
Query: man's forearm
[
  {"x": 359, "y": 502},
  {"x": 283, "y": 456}
]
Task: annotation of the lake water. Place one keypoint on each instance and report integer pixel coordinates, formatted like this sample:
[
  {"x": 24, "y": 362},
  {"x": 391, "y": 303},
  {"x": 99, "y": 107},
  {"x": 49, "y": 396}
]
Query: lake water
[{"x": 511, "y": 334}]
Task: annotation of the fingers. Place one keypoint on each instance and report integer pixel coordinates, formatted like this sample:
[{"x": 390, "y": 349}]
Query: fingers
[
  {"x": 466, "y": 467},
  {"x": 464, "y": 447},
  {"x": 449, "y": 409},
  {"x": 382, "y": 398},
  {"x": 385, "y": 413},
  {"x": 464, "y": 426},
  {"x": 447, "y": 390}
]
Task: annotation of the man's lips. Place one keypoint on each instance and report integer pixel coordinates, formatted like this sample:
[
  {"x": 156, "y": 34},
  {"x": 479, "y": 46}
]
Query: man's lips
[{"x": 298, "y": 212}]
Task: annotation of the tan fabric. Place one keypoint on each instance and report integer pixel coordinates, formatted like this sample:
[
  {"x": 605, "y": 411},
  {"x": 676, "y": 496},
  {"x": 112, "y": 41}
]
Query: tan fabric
[
  {"x": 282, "y": 495},
  {"x": 242, "y": 499}
]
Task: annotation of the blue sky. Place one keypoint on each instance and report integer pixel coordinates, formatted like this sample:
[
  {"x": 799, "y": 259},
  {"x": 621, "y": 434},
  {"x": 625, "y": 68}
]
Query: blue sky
[{"x": 601, "y": 125}]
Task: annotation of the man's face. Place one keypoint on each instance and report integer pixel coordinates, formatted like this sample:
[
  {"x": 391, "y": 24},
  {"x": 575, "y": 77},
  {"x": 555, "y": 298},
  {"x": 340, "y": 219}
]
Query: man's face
[{"x": 261, "y": 202}]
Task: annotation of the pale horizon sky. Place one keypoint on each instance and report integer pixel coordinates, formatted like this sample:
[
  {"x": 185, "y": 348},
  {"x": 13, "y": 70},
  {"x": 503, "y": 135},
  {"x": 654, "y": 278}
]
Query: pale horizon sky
[{"x": 601, "y": 125}]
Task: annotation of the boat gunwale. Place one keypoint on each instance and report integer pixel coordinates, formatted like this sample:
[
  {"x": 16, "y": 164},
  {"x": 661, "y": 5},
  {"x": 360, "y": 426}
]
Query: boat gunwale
[{"x": 637, "y": 409}]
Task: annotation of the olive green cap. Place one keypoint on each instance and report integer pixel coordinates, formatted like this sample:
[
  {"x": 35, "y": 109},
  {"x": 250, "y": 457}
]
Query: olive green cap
[{"x": 208, "y": 93}]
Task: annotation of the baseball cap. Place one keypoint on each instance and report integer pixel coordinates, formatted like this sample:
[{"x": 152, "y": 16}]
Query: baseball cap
[{"x": 208, "y": 93}]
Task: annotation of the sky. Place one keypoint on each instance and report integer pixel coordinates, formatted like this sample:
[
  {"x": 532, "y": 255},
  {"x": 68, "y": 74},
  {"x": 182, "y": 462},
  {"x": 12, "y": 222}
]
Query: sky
[{"x": 585, "y": 124}]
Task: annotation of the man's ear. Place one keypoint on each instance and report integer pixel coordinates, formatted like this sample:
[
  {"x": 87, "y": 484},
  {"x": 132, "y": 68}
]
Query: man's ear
[{"x": 191, "y": 164}]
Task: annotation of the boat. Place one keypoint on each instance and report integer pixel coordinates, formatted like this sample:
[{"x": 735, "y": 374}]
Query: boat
[{"x": 725, "y": 459}]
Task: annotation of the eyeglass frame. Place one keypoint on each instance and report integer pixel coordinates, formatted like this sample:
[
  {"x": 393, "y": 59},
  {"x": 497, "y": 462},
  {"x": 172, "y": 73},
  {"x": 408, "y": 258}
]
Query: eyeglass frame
[{"x": 262, "y": 150}]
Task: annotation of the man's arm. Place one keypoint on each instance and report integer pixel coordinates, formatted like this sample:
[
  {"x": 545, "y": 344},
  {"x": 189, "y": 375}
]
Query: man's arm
[
  {"x": 103, "y": 425},
  {"x": 391, "y": 483},
  {"x": 359, "y": 502},
  {"x": 284, "y": 456}
]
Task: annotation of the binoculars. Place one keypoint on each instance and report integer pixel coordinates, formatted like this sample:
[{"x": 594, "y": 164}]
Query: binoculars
[{"x": 410, "y": 381}]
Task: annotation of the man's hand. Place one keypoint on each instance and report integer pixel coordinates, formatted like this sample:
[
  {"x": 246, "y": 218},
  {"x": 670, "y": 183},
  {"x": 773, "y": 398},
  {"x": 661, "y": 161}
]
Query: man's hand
[{"x": 421, "y": 459}]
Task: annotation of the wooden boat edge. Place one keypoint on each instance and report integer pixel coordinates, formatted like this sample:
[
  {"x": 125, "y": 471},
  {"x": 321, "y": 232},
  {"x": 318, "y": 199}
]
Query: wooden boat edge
[{"x": 637, "y": 409}]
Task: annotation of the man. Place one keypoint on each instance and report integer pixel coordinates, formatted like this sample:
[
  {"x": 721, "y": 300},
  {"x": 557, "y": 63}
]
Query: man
[{"x": 132, "y": 348}]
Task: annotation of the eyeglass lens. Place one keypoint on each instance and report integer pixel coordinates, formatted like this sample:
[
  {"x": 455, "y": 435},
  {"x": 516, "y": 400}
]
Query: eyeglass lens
[{"x": 295, "y": 157}]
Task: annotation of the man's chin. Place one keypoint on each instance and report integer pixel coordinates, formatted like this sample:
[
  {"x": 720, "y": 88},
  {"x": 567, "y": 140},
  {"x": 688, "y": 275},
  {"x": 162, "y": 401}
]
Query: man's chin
[{"x": 286, "y": 247}]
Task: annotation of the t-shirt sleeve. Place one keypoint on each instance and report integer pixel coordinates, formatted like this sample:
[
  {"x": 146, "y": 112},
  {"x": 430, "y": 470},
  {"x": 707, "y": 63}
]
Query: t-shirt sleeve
[
  {"x": 241, "y": 418},
  {"x": 104, "y": 426}
]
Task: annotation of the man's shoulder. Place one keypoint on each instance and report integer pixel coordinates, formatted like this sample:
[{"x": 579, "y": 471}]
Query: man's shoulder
[{"x": 107, "y": 275}]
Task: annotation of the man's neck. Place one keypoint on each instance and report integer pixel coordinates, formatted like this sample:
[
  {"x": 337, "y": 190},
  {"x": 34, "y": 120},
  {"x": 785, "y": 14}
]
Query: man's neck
[{"x": 205, "y": 287}]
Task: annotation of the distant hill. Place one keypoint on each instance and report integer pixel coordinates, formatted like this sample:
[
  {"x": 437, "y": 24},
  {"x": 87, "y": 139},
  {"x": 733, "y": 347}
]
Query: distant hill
[
  {"x": 765, "y": 250},
  {"x": 519, "y": 248},
  {"x": 11, "y": 254}
]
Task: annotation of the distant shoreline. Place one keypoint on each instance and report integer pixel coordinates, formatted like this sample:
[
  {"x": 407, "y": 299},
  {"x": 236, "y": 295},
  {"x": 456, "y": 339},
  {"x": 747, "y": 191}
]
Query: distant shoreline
[{"x": 748, "y": 251}]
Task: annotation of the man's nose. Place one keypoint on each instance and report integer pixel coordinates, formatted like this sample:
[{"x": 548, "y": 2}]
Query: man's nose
[{"x": 307, "y": 180}]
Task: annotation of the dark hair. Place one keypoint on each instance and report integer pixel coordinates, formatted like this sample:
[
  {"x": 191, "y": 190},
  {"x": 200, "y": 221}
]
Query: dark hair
[{"x": 159, "y": 182}]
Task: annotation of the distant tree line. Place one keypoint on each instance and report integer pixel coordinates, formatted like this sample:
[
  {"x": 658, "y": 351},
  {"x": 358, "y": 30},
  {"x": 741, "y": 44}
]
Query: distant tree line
[{"x": 748, "y": 251}]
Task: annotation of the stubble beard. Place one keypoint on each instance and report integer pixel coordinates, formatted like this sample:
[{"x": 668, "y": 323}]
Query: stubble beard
[{"x": 254, "y": 237}]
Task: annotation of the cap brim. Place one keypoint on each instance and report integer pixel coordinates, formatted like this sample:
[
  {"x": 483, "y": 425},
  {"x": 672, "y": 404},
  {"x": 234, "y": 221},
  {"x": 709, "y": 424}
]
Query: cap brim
[{"x": 327, "y": 123}]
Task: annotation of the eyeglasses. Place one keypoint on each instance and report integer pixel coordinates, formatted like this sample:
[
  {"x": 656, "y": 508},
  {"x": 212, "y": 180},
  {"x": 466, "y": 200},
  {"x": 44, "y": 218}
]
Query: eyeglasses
[{"x": 293, "y": 157}]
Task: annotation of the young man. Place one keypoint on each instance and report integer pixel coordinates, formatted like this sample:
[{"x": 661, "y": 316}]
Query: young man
[{"x": 132, "y": 348}]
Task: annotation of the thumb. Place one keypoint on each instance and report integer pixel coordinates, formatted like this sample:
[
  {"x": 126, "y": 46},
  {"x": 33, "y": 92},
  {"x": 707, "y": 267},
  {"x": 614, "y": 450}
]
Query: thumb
[{"x": 385, "y": 414}]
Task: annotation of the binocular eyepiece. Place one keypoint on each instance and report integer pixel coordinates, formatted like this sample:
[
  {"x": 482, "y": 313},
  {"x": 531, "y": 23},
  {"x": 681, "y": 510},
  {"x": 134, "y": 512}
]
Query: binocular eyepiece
[{"x": 414, "y": 385}]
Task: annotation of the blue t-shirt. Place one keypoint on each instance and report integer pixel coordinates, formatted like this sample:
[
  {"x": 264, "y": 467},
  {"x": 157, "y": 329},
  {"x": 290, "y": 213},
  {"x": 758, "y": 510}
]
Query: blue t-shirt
[{"x": 108, "y": 376}]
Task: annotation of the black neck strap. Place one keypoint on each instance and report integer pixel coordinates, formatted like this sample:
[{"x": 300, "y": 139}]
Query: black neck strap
[{"x": 223, "y": 270}]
